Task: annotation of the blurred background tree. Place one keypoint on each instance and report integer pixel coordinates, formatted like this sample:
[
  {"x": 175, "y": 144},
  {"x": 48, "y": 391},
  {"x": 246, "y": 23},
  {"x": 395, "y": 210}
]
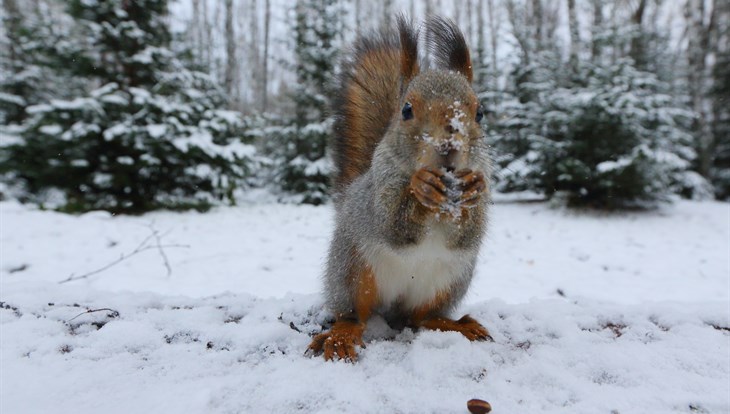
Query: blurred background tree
[
  {"x": 122, "y": 106},
  {"x": 299, "y": 147},
  {"x": 146, "y": 133}
]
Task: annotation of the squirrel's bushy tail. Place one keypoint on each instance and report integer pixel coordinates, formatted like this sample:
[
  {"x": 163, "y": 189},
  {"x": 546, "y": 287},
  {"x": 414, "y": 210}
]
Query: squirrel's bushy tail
[{"x": 370, "y": 89}]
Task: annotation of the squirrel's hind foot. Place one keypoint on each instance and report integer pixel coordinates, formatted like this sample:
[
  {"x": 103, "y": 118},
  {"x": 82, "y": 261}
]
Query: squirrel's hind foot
[
  {"x": 467, "y": 326},
  {"x": 339, "y": 342}
]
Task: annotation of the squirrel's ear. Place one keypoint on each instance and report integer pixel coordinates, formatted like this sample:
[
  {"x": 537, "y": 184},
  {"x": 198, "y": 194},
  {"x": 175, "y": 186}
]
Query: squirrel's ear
[
  {"x": 408, "y": 49},
  {"x": 448, "y": 46}
]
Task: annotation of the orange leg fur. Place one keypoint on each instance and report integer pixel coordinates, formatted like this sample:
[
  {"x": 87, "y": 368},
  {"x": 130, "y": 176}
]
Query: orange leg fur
[{"x": 340, "y": 341}]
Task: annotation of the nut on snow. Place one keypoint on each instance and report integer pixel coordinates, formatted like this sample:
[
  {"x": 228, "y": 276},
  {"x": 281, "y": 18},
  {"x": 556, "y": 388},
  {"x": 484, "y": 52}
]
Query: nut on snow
[{"x": 476, "y": 406}]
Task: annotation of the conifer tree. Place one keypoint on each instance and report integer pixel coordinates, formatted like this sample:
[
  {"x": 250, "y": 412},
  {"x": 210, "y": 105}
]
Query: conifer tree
[
  {"x": 151, "y": 134},
  {"x": 303, "y": 163},
  {"x": 613, "y": 141},
  {"x": 34, "y": 60},
  {"x": 603, "y": 132}
]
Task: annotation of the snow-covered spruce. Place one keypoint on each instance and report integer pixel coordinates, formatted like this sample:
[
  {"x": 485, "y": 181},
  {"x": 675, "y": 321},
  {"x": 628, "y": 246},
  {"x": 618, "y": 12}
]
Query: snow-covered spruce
[
  {"x": 298, "y": 141},
  {"x": 152, "y": 135},
  {"x": 612, "y": 139}
]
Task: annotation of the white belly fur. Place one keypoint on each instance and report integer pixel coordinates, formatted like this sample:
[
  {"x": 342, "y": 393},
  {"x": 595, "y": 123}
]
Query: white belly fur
[{"x": 416, "y": 274}]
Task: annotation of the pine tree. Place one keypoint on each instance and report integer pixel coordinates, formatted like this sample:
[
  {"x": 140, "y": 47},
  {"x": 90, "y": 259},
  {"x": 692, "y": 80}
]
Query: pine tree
[
  {"x": 602, "y": 133},
  {"x": 150, "y": 136},
  {"x": 518, "y": 128},
  {"x": 33, "y": 60},
  {"x": 15, "y": 77},
  {"x": 614, "y": 141},
  {"x": 303, "y": 163}
]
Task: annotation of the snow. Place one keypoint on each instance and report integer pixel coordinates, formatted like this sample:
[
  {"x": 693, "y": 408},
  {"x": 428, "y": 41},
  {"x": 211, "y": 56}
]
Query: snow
[
  {"x": 115, "y": 131},
  {"x": 157, "y": 130},
  {"x": 10, "y": 135},
  {"x": 50, "y": 129},
  {"x": 456, "y": 121},
  {"x": 321, "y": 166},
  {"x": 115, "y": 99},
  {"x": 14, "y": 99},
  {"x": 79, "y": 163},
  {"x": 640, "y": 323},
  {"x": 125, "y": 160}
]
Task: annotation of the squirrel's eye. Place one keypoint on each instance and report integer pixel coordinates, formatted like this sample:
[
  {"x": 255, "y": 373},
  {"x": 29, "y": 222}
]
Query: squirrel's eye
[
  {"x": 480, "y": 113},
  {"x": 407, "y": 111}
]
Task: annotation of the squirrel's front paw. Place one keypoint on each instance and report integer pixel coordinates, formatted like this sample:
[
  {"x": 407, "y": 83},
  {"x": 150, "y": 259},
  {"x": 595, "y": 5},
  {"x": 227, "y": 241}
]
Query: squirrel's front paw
[
  {"x": 427, "y": 187},
  {"x": 339, "y": 342},
  {"x": 473, "y": 185}
]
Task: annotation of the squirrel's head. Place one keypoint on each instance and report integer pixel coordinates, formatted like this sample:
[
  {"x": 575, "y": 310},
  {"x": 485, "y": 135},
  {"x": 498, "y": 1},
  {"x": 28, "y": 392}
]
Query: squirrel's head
[{"x": 439, "y": 121}]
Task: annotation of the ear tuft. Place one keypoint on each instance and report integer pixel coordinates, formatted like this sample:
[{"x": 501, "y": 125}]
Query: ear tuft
[
  {"x": 408, "y": 49},
  {"x": 448, "y": 46}
]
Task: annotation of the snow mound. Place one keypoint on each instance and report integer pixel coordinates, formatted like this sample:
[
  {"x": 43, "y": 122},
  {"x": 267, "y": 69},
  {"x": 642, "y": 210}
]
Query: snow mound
[{"x": 136, "y": 352}]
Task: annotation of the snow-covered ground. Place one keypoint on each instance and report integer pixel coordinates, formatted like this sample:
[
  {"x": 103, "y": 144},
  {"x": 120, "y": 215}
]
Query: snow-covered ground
[{"x": 590, "y": 313}]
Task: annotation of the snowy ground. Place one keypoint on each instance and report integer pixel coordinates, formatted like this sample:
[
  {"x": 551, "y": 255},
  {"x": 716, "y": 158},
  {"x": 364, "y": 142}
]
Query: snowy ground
[{"x": 590, "y": 313}]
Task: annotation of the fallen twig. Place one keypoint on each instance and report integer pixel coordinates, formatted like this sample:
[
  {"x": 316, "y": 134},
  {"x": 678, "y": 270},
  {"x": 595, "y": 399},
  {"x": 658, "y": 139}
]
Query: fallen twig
[
  {"x": 158, "y": 244},
  {"x": 113, "y": 315},
  {"x": 143, "y": 246}
]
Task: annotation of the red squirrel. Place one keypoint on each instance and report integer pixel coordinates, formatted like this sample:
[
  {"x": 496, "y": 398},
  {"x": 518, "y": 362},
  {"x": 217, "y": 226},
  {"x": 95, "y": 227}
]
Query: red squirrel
[{"x": 410, "y": 187}]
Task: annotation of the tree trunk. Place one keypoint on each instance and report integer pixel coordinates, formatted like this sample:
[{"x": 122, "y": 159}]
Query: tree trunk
[
  {"x": 469, "y": 25},
  {"x": 518, "y": 31},
  {"x": 206, "y": 37},
  {"x": 254, "y": 53},
  {"x": 197, "y": 30},
  {"x": 597, "y": 29},
  {"x": 537, "y": 20},
  {"x": 265, "y": 71},
  {"x": 481, "y": 46},
  {"x": 637, "y": 51},
  {"x": 229, "y": 77},
  {"x": 574, "y": 36},
  {"x": 698, "y": 49},
  {"x": 494, "y": 27}
]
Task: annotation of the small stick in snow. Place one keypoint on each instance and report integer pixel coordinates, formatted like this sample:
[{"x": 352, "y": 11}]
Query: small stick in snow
[
  {"x": 158, "y": 241},
  {"x": 144, "y": 245},
  {"x": 114, "y": 313}
]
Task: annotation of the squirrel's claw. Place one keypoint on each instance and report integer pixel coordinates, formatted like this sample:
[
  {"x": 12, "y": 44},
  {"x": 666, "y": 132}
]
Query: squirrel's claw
[
  {"x": 338, "y": 343},
  {"x": 315, "y": 348},
  {"x": 427, "y": 187},
  {"x": 473, "y": 330},
  {"x": 473, "y": 186},
  {"x": 467, "y": 326}
]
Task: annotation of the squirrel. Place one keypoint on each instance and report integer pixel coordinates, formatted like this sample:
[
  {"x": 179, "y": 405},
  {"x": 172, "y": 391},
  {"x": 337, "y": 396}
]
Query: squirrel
[{"x": 409, "y": 187}]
